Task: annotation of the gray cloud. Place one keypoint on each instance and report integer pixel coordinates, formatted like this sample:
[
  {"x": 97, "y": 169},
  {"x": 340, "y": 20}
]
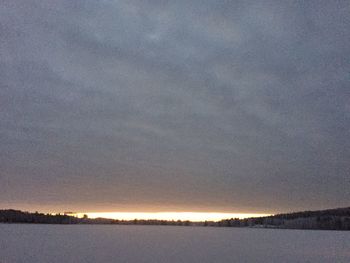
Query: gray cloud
[{"x": 237, "y": 105}]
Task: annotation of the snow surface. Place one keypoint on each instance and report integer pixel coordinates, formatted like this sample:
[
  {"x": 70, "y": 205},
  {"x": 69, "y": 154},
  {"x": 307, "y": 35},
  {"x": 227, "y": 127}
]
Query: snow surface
[{"x": 114, "y": 243}]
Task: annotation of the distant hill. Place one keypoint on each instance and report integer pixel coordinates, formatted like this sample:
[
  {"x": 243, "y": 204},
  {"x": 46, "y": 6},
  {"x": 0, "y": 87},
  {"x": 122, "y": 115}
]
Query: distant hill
[
  {"x": 330, "y": 219},
  {"x": 17, "y": 216}
]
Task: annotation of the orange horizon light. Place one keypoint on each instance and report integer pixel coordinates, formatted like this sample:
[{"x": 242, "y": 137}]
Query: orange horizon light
[{"x": 191, "y": 216}]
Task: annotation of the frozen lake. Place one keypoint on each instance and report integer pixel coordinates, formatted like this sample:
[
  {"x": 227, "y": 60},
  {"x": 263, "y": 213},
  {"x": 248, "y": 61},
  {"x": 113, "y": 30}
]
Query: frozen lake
[{"x": 108, "y": 243}]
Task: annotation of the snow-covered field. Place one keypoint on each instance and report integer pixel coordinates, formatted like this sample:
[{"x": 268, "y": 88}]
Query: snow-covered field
[{"x": 107, "y": 243}]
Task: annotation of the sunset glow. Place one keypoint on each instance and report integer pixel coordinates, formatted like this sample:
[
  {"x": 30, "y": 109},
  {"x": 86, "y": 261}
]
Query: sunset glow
[{"x": 192, "y": 216}]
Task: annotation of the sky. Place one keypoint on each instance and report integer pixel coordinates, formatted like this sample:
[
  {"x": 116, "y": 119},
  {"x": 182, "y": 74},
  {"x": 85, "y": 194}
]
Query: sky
[{"x": 212, "y": 106}]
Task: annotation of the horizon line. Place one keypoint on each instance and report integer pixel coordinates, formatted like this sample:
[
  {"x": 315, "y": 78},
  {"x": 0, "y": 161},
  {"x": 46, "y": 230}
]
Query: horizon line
[{"x": 169, "y": 216}]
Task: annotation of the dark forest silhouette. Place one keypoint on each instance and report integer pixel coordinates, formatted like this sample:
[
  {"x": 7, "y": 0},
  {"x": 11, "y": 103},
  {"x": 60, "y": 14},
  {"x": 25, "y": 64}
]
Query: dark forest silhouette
[{"x": 331, "y": 219}]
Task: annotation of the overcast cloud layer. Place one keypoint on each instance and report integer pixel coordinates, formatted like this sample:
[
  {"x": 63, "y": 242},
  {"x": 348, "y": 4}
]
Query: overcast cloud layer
[{"x": 175, "y": 105}]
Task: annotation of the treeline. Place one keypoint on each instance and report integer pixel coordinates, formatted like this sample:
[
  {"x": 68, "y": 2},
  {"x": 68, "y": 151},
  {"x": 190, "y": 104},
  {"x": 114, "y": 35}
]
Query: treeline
[
  {"x": 332, "y": 219},
  {"x": 17, "y": 216}
]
